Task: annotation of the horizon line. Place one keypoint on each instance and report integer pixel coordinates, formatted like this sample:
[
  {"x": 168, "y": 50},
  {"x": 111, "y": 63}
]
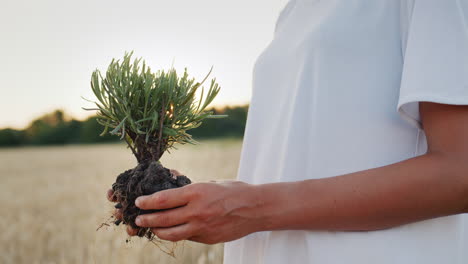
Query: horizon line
[{"x": 69, "y": 117}]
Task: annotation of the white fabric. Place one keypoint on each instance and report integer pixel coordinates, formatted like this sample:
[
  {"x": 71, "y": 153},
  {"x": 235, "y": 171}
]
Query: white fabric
[{"x": 333, "y": 94}]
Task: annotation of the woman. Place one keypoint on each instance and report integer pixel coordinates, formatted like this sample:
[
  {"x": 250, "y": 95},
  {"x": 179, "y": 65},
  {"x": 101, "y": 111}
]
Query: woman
[{"x": 356, "y": 147}]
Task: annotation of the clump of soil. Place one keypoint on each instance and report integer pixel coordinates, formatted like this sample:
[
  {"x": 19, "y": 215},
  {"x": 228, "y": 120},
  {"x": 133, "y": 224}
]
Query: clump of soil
[{"x": 146, "y": 178}]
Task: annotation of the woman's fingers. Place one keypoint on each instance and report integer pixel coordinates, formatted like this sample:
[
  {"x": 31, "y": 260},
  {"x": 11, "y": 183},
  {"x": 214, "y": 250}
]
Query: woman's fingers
[
  {"x": 168, "y": 218},
  {"x": 132, "y": 231},
  {"x": 118, "y": 214},
  {"x": 175, "y": 233},
  {"x": 110, "y": 196},
  {"x": 163, "y": 200},
  {"x": 176, "y": 173}
]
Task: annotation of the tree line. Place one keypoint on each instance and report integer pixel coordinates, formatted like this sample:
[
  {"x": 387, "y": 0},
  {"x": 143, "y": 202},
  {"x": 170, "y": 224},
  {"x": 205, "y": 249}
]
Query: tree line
[{"x": 56, "y": 128}]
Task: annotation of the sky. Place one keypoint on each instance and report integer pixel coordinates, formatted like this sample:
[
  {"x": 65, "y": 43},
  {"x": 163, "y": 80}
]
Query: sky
[{"x": 49, "y": 48}]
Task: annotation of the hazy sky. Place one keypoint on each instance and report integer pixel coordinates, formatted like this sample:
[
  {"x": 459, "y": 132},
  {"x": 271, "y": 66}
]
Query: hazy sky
[{"x": 49, "y": 48}]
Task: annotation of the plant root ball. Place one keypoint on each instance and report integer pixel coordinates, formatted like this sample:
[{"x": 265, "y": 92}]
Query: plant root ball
[{"x": 145, "y": 179}]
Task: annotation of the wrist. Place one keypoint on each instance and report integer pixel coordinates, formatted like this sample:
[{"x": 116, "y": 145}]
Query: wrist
[{"x": 274, "y": 204}]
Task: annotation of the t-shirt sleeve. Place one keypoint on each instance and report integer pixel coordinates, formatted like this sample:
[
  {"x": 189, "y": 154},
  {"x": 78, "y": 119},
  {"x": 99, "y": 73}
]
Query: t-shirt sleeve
[{"x": 434, "y": 37}]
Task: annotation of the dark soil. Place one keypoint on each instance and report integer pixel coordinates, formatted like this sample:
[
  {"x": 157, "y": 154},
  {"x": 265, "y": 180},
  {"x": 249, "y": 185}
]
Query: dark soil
[{"x": 146, "y": 178}]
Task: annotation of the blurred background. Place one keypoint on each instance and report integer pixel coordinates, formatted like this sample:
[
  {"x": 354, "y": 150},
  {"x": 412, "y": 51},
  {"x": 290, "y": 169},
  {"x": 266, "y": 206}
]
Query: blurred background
[{"x": 54, "y": 167}]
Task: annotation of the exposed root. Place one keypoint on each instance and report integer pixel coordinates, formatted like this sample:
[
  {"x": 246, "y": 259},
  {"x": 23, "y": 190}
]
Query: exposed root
[
  {"x": 103, "y": 224},
  {"x": 160, "y": 245},
  {"x": 106, "y": 223},
  {"x": 146, "y": 178}
]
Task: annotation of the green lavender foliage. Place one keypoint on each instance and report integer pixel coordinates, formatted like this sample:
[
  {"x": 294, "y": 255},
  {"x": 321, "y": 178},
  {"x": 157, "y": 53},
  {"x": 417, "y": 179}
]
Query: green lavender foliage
[{"x": 136, "y": 103}]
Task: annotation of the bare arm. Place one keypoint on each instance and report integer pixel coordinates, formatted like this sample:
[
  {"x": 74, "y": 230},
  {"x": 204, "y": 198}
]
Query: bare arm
[
  {"x": 428, "y": 186},
  {"x": 432, "y": 185},
  {"x": 408, "y": 191}
]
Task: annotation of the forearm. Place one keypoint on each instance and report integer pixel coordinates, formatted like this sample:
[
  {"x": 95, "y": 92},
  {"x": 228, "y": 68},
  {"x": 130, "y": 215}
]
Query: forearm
[{"x": 412, "y": 190}]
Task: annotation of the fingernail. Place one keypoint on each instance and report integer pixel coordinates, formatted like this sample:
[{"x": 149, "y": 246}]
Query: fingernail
[
  {"x": 138, "y": 221},
  {"x": 138, "y": 201}
]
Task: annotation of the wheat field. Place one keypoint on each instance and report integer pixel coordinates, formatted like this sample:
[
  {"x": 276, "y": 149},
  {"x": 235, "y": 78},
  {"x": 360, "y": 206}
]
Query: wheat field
[{"x": 52, "y": 200}]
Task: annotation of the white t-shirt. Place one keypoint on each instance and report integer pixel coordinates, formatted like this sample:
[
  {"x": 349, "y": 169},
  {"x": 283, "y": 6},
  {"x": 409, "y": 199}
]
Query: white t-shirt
[{"x": 336, "y": 92}]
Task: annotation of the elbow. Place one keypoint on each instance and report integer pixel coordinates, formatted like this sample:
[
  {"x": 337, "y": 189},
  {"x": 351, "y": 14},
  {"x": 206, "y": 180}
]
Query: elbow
[
  {"x": 454, "y": 168},
  {"x": 465, "y": 203},
  {"x": 465, "y": 195},
  {"x": 459, "y": 167},
  {"x": 463, "y": 179}
]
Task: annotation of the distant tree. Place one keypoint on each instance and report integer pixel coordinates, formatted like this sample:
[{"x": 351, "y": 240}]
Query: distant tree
[
  {"x": 231, "y": 126},
  {"x": 52, "y": 129},
  {"x": 36, "y": 132},
  {"x": 11, "y": 137},
  {"x": 56, "y": 128},
  {"x": 90, "y": 132}
]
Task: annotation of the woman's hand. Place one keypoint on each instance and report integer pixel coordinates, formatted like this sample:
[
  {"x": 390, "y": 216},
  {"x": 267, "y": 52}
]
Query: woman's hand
[{"x": 203, "y": 212}]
